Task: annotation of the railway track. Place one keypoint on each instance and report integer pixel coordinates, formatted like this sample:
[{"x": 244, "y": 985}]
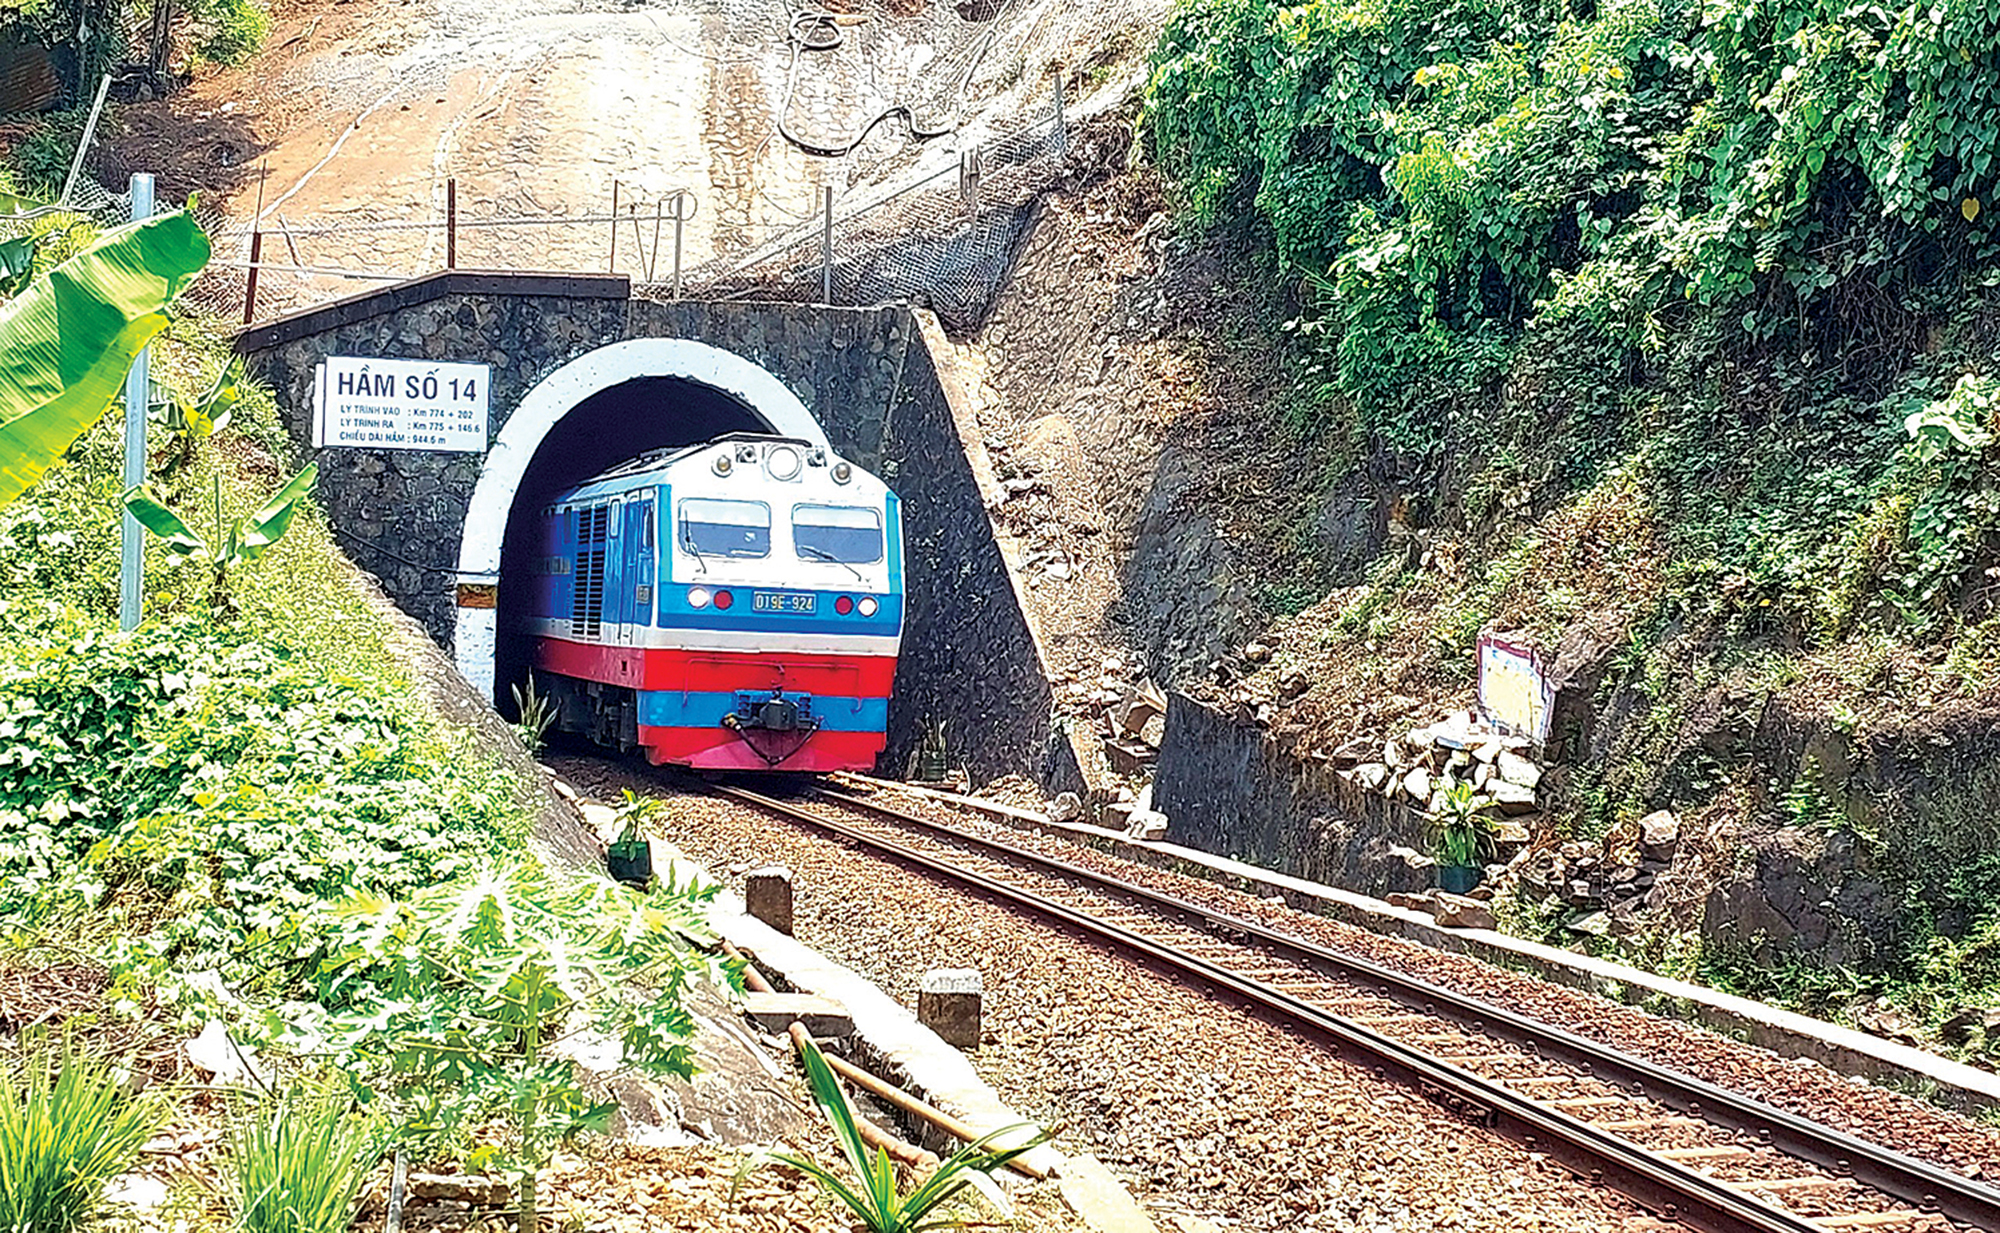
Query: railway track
[{"x": 1695, "y": 1154}]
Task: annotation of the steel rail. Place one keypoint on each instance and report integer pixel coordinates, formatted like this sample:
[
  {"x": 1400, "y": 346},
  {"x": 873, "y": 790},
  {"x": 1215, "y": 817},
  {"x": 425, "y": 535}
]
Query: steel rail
[
  {"x": 1663, "y": 1186},
  {"x": 1917, "y": 1182}
]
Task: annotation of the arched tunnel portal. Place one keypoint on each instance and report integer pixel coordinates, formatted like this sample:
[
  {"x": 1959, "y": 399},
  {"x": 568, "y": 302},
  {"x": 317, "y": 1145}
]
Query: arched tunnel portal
[{"x": 598, "y": 410}]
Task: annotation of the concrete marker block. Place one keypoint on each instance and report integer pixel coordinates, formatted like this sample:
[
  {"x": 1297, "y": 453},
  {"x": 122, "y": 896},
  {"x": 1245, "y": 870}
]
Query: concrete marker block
[
  {"x": 948, "y": 1004},
  {"x": 776, "y": 1012},
  {"x": 767, "y": 894}
]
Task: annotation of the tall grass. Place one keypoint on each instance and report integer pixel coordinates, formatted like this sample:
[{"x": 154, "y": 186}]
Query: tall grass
[
  {"x": 297, "y": 1163},
  {"x": 67, "y": 1127}
]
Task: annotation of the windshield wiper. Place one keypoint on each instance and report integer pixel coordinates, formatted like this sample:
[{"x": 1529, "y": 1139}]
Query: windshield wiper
[
  {"x": 823, "y": 555},
  {"x": 687, "y": 542}
]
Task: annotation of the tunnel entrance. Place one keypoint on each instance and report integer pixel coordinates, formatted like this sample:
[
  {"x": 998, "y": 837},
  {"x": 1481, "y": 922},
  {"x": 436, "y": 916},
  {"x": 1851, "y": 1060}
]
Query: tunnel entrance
[
  {"x": 595, "y": 411},
  {"x": 616, "y": 423}
]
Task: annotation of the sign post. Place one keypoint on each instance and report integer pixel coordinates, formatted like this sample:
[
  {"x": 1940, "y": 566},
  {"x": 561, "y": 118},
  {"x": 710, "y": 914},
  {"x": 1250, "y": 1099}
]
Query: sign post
[
  {"x": 138, "y": 391},
  {"x": 1514, "y": 691},
  {"x": 401, "y": 404}
]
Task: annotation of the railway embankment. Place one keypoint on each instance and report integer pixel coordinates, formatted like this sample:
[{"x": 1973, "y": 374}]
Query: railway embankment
[{"x": 1892, "y": 1064}]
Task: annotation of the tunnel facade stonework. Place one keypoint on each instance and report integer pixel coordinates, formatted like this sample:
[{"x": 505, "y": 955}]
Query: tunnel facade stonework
[{"x": 969, "y": 665}]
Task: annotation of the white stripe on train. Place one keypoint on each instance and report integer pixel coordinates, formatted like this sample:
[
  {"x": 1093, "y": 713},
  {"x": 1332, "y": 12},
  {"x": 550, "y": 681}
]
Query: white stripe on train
[{"x": 682, "y": 638}]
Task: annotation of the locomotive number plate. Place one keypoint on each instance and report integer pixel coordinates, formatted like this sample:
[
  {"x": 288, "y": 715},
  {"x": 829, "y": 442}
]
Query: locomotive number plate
[{"x": 783, "y": 601}]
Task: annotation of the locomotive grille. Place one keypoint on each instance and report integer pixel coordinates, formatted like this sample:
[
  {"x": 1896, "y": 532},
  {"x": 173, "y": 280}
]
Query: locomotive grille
[{"x": 586, "y": 614}]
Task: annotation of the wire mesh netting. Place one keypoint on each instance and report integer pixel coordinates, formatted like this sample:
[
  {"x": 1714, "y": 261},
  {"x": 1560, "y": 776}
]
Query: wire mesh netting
[{"x": 944, "y": 241}]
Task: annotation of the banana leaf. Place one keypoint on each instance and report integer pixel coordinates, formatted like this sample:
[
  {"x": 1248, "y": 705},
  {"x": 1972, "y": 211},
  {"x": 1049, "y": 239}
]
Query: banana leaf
[
  {"x": 209, "y": 414},
  {"x": 179, "y": 538},
  {"x": 17, "y": 264},
  {"x": 68, "y": 339},
  {"x": 267, "y": 525}
]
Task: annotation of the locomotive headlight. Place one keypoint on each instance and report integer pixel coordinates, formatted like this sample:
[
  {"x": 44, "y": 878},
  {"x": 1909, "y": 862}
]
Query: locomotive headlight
[
  {"x": 868, "y": 606},
  {"x": 722, "y": 464},
  {"x": 697, "y": 597},
  {"x": 842, "y": 473},
  {"x": 783, "y": 463}
]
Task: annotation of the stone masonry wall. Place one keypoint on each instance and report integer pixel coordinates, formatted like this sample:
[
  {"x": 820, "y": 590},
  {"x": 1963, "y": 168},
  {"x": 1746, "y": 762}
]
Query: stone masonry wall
[
  {"x": 975, "y": 670},
  {"x": 865, "y": 374},
  {"x": 1226, "y": 787},
  {"x": 400, "y": 513}
]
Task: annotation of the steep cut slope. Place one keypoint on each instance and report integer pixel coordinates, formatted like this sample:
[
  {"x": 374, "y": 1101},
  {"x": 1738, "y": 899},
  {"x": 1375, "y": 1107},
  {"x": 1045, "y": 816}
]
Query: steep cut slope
[{"x": 1767, "y": 605}]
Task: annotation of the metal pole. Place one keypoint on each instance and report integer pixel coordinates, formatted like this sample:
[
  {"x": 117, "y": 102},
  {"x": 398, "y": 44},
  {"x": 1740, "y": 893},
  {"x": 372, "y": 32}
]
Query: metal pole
[
  {"x": 656, "y": 237},
  {"x": 451, "y": 223},
  {"x": 132, "y": 566},
  {"x": 83, "y": 141},
  {"x": 1062, "y": 138},
  {"x": 679, "y": 218},
  {"x": 613, "y": 267},
  {"x": 250, "y": 283},
  {"x": 639, "y": 239},
  {"x": 826, "y": 253},
  {"x": 257, "y": 246}
]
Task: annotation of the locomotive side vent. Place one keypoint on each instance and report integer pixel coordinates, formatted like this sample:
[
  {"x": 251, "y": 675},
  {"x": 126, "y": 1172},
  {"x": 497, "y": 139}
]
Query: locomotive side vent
[{"x": 586, "y": 614}]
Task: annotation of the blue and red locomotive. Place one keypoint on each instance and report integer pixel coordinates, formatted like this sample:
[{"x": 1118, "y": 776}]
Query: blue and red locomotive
[{"x": 736, "y": 605}]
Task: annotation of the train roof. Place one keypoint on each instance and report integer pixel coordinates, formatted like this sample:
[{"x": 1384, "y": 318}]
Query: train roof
[
  {"x": 637, "y": 472},
  {"x": 652, "y": 460}
]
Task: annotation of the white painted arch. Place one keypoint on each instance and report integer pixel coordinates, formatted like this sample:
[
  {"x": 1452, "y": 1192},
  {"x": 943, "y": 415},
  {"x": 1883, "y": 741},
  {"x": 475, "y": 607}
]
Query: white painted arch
[{"x": 553, "y": 397}]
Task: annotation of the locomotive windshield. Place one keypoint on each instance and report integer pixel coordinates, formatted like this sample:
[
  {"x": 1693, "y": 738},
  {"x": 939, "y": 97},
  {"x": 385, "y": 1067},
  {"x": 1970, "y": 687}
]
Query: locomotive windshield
[
  {"x": 845, "y": 534},
  {"x": 712, "y": 528}
]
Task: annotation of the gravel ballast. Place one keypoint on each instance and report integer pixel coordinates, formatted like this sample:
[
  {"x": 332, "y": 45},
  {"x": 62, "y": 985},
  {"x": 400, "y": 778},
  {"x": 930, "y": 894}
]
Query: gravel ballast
[
  {"x": 1201, "y": 1107},
  {"x": 1806, "y": 1088}
]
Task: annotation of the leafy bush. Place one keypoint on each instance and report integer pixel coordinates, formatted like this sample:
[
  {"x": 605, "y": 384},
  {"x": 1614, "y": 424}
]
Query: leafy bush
[
  {"x": 66, "y": 1129},
  {"x": 228, "y": 31},
  {"x": 448, "y": 1004},
  {"x": 207, "y": 789},
  {"x": 296, "y": 1164},
  {"x": 1708, "y": 237},
  {"x": 40, "y": 160}
]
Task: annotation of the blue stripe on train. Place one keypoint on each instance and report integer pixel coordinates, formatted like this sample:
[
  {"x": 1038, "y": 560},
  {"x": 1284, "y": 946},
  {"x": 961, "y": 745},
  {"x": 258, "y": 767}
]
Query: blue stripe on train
[{"x": 670, "y": 709}]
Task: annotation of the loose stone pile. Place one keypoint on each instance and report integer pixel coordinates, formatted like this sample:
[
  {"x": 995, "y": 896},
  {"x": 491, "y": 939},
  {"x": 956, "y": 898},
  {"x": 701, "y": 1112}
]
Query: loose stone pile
[
  {"x": 1129, "y": 715},
  {"x": 1603, "y": 884},
  {"x": 1423, "y": 766}
]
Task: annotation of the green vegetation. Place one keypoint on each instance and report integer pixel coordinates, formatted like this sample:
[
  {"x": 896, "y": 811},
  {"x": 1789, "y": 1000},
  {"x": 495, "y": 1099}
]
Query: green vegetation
[
  {"x": 1704, "y": 241},
  {"x": 297, "y": 1162},
  {"x": 92, "y": 35},
  {"x": 260, "y": 824},
  {"x": 1464, "y": 836},
  {"x": 450, "y": 1003},
  {"x": 68, "y": 338},
  {"x": 226, "y": 31},
  {"x": 202, "y": 790},
  {"x": 1672, "y": 319},
  {"x": 878, "y": 1202},
  {"x": 66, "y": 1129},
  {"x": 233, "y": 543},
  {"x": 537, "y": 714}
]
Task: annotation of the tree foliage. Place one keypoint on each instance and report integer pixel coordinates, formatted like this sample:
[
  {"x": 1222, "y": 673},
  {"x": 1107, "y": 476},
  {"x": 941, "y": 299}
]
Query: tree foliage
[
  {"x": 1714, "y": 235},
  {"x": 1443, "y": 170}
]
